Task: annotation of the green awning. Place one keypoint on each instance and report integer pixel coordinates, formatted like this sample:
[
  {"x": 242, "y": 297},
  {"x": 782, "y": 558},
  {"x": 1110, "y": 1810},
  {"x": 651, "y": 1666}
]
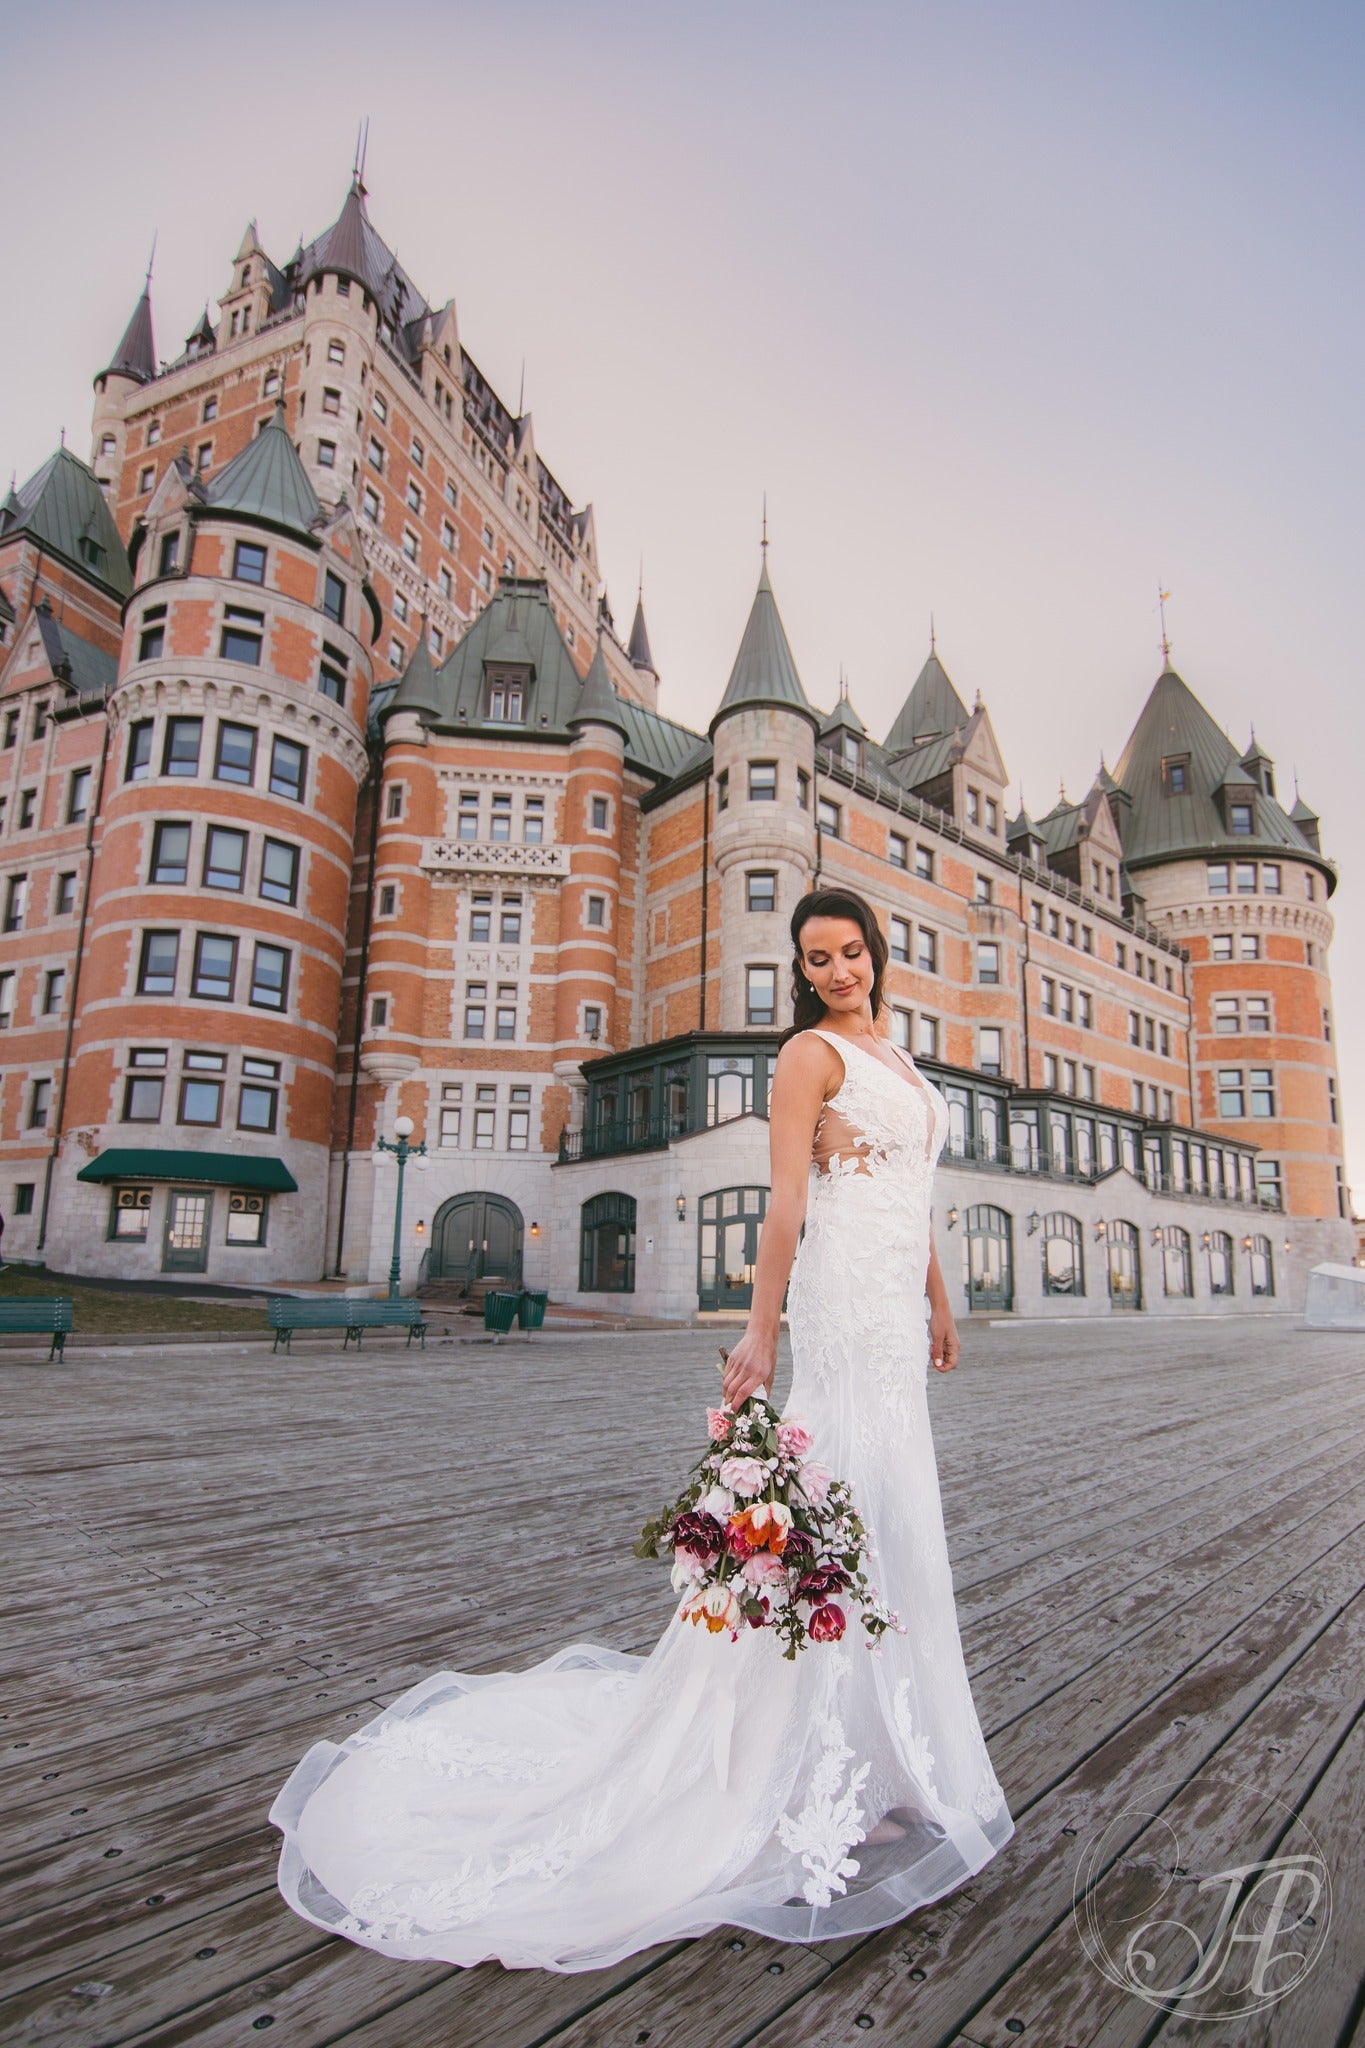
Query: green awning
[{"x": 219, "y": 1170}]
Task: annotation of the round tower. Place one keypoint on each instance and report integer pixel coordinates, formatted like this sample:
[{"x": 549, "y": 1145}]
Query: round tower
[
  {"x": 133, "y": 365},
  {"x": 763, "y": 821},
  {"x": 590, "y": 937},
  {"x": 337, "y": 397},
  {"x": 204, "y": 1060}
]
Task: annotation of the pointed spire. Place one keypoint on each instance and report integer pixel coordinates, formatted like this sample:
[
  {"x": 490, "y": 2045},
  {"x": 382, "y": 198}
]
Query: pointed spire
[
  {"x": 417, "y": 689},
  {"x": 764, "y": 670},
  {"x": 638, "y": 648},
  {"x": 598, "y": 703},
  {"x": 135, "y": 356}
]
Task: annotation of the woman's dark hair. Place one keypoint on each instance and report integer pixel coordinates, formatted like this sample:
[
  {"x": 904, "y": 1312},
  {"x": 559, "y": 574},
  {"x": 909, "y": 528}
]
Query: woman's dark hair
[{"x": 807, "y": 1008}]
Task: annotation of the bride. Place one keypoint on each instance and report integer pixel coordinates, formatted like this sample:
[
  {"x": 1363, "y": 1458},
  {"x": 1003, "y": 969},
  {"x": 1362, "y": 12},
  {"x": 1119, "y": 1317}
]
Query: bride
[{"x": 573, "y": 1814}]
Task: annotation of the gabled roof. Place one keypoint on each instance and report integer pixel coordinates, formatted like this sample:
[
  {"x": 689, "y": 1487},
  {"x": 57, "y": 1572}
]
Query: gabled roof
[
  {"x": 135, "y": 355},
  {"x": 520, "y": 616},
  {"x": 842, "y": 718},
  {"x": 764, "y": 670},
  {"x": 1061, "y": 827},
  {"x": 88, "y": 669},
  {"x": 267, "y": 482},
  {"x": 63, "y": 507},
  {"x": 597, "y": 701},
  {"x": 1302, "y": 813},
  {"x": 932, "y": 709},
  {"x": 659, "y": 745},
  {"x": 1163, "y": 827},
  {"x": 638, "y": 649}
]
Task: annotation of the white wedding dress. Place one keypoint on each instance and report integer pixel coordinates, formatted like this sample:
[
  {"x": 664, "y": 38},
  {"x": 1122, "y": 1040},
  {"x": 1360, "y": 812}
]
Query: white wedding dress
[{"x": 564, "y": 1817}]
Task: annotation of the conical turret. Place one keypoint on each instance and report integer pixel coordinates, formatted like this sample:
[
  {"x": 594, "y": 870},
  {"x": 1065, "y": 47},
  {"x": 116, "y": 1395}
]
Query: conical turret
[{"x": 764, "y": 670}]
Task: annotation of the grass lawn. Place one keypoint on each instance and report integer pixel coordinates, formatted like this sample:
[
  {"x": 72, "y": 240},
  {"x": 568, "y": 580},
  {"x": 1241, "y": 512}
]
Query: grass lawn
[{"x": 101, "y": 1311}]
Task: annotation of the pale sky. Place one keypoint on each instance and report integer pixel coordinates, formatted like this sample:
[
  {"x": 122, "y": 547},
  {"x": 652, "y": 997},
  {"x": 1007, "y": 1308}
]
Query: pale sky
[{"x": 1013, "y": 311}]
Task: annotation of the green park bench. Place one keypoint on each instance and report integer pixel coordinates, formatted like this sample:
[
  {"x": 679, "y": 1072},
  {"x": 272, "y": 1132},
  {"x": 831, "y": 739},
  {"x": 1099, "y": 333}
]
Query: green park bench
[
  {"x": 38, "y": 1315},
  {"x": 290, "y": 1312}
]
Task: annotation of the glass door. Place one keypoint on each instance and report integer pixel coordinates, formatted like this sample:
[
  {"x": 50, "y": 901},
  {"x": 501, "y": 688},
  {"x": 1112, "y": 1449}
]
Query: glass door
[{"x": 186, "y": 1246}]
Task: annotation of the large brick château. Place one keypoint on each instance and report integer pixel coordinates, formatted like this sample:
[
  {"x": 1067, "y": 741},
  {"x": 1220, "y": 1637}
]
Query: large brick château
[{"x": 331, "y": 794}]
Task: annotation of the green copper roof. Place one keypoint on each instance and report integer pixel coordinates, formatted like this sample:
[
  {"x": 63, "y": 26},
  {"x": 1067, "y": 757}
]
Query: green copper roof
[
  {"x": 932, "y": 710},
  {"x": 88, "y": 669},
  {"x": 842, "y": 718},
  {"x": 518, "y": 626},
  {"x": 1173, "y": 724},
  {"x": 639, "y": 639},
  {"x": 267, "y": 482},
  {"x": 218, "y": 1169},
  {"x": 764, "y": 671},
  {"x": 416, "y": 689},
  {"x": 62, "y": 506}
]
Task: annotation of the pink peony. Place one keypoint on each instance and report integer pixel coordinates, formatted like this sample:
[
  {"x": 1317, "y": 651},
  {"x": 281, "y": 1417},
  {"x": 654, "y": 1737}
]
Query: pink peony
[
  {"x": 745, "y": 1476},
  {"x": 763, "y": 1569},
  {"x": 827, "y": 1624},
  {"x": 794, "y": 1439},
  {"x": 719, "y": 1423},
  {"x": 815, "y": 1483}
]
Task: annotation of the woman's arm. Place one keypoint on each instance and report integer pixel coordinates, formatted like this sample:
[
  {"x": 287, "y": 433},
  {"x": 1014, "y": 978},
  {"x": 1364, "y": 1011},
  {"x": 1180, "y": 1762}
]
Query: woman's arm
[
  {"x": 944, "y": 1347},
  {"x": 803, "y": 1072}
]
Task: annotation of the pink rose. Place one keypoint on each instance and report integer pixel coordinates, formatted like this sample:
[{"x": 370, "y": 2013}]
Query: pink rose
[
  {"x": 827, "y": 1624},
  {"x": 719, "y": 1423},
  {"x": 745, "y": 1476},
  {"x": 816, "y": 1483},
  {"x": 794, "y": 1439},
  {"x": 763, "y": 1569}
]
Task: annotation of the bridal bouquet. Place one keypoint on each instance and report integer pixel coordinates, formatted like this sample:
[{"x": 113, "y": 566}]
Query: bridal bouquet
[{"x": 766, "y": 1536}]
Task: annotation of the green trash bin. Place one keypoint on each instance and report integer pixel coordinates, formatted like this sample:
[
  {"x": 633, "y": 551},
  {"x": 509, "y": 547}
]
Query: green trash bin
[
  {"x": 531, "y": 1308},
  {"x": 499, "y": 1309}
]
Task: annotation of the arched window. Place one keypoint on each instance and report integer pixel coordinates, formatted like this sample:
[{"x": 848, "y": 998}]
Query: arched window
[
  {"x": 1177, "y": 1264},
  {"x": 1063, "y": 1255},
  {"x": 1262, "y": 1265},
  {"x": 728, "y": 1229},
  {"x": 988, "y": 1257},
  {"x": 606, "y": 1256},
  {"x": 1124, "y": 1254},
  {"x": 1220, "y": 1263}
]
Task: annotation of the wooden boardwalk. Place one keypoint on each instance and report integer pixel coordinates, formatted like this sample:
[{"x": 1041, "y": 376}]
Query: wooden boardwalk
[{"x": 1158, "y": 1537}]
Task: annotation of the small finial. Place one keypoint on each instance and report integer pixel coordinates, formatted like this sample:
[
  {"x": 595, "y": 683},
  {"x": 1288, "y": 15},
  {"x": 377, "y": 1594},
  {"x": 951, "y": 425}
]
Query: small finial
[
  {"x": 63, "y": 439},
  {"x": 521, "y": 394},
  {"x": 977, "y": 704},
  {"x": 1161, "y": 596},
  {"x": 764, "y": 542},
  {"x": 362, "y": 144},
  {"x": 933, "y": 643},
  {"x": 150, "y": 261}
]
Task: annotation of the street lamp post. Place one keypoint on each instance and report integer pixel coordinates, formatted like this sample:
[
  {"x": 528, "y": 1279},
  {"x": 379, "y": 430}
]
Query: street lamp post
[{"x": 402, "y": 1152}]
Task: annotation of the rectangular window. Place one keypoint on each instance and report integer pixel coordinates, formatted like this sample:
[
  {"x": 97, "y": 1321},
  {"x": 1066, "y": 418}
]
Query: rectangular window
[
  {"x": 898, "y": 850},
  {"x": 500, "y": 822},
  {"x": 64, "y": 901},
  {"x": 379, "y": 1012},
  {"x": 991, "y": 1049},
  {"x": 1249, "y": 946},
  {"x": 1231, "y": 1098},
  {"x": 11, "y": 729},
  {"x": 152, "y": 641},
  {"x": 827, "y": 816},
  {"x": 28, "y": 800},
  {"x": 1270, "y": 878},
  {"x": 246, "y": 1219},
  {"x": 483, "y": 1129},
  {"x": 269, "y": 977},
  {"x": 39, "y": 1102},
  {"x": 1134, "y": 1028},
  {"x": 450, "y": 1124},
  {"x": 1051, "y": 1077},
  {"x": 1218, "y": 878},
  {"x": 257, "y": 1106},
  {"x": 480, "y": 921},
  {"x": 973, "y": 806},
  {"x": 597, "y": 910},
  {"x": 327, "y": 454},
  {"x": 332, "y": 674},
  {"x": 898, "y": 941},
  {"x": 241, "y": 637},
  {"x": 393, "y": 802},
  {"x": 926, "y": 950},
  {"x": 410, "y": 544},
  {"x": 388, "y": 899},
  {"x": 1240, "y": 820},
  {"x": 1165, "y": 1041},
  {"x": 983, "y": 890},
  {"x": 723, "y": 790},
  {"x": 54, "y": 990},
  {"x": 376, "y": 454},
  {"x": 1244, "y": 876},
  {"x": 201, "y": 1100},
  {"x": 505, "y": 1016},
  {"x": 169, "y": 557},
  {"x": 988, "y": 961},
  {"x": 900, "y": 1029},
  {"x": 1121, "y": 955},
  {"x": 533, "y": 820},
  {"x": 1048, "y": 995},
  {"x": 414, "y": 495},
  {"x": 78, "y": 796},
  {"x": 1258, "y": 1013},
  {"x": 992, "y": 815},
  {"x": 235, "y": 758},
  {"x": 1088, "y": 1083},
  {"x": 762, "y": 782},
  {"x": 1085, "y": 1010},
  {"x": 334, "y": 598},
  {"x": 369, "y": 504},
  {"x": 1222, "y": 946},
  {"x": 760, "y": 890},
  {"x": 248, "y": 562},
  {"x": 16, "y": 902},
  {"x": 760, "y": 995},
  {"x": 156, "y": 966},
  {"x": 280, "y": 871},
  {"x": 142, "y": 1097},
  {"x": 331, "y": 400},
  {"x": 599, "y": 813},
  {"x": 224, "y": 858},
  {"x": 1262, "y": 1091},
  {"x": 1149, "y": 1034},
  {"x": 1227, "y": 1018},
  {"x": 924, "y": 863},
  {"x": 518, "y": 1130},
  {"x": 288, "y": 769},
  {"x": 170, "y": 854},
  {"x": 1067, "y": 1006},
  {"x": 927, "y": 1048},
  {"x": 802, "y": 789},
  {"x": 181, "y": 755},
  {"x": 475, "y": 1008},
  {"x": 592, "y": 1021},
  {"x": 215, "y": 967},
  {"x": 509, "y": 924}
]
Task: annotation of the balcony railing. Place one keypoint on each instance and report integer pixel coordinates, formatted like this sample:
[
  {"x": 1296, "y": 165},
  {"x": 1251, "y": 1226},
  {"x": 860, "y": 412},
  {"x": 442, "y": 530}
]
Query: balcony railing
[{"x": 620, "y": 1134}]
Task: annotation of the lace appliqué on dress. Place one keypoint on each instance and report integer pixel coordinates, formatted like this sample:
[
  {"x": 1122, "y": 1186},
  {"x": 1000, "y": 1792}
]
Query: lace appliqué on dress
[
  {"x": 914, "y": 1741},
  {"x": 395, "y": 1743},
  {"x": 830, "y": 1822}
]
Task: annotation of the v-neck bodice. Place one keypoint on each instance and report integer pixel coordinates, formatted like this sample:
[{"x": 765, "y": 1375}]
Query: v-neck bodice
[{"x": 870, "y": 1124}]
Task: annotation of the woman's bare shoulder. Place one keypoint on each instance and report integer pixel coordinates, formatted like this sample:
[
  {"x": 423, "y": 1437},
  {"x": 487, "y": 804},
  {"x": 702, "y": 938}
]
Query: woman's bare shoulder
[{"x": 807, "y": 1057}]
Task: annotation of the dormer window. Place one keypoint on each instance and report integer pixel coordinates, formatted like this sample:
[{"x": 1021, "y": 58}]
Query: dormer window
[
  {"x": 1175, "y": 775},
  {"x": 508, "y": 690},
  {"x": 851, "y": 752},
  {"x": 1241, "y": 820}
]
